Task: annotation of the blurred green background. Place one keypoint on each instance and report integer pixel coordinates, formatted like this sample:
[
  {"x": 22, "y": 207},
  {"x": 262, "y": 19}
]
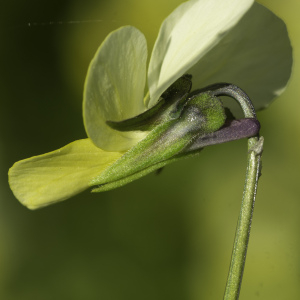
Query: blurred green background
[{"x": 162, "y": 237}]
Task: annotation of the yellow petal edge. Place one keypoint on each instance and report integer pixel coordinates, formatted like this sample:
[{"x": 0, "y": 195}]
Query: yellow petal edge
[{"x": 58, "y": 175}]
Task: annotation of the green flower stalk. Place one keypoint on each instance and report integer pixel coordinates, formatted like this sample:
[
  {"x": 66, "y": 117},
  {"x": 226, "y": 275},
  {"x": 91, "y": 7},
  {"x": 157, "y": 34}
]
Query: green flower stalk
[{"x": 213, "y": 41}]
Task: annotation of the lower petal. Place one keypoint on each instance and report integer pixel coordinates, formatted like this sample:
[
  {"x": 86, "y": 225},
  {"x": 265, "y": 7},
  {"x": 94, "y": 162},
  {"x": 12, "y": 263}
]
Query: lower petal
[{"x": 58, "y": 175}]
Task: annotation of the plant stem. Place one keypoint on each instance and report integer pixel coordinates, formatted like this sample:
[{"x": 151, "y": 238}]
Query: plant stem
[{"x": 239, "y": 252}]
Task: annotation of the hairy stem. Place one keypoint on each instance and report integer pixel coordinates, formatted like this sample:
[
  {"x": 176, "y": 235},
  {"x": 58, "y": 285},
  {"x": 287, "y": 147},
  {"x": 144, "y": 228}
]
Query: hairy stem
[{"x": 234, "y": 280}]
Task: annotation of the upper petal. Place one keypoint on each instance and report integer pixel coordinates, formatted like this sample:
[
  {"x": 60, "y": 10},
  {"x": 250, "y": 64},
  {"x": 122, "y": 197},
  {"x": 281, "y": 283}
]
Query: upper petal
[
  {"x": 114, "y": 88},
  {"x": 187, "y": 35},
  {"x": 256, "y": 55},
  {"x": 45, "y": 179}
]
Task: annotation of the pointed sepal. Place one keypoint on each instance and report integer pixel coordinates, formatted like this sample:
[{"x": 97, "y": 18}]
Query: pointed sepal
[{"x": 167, "y": 108}]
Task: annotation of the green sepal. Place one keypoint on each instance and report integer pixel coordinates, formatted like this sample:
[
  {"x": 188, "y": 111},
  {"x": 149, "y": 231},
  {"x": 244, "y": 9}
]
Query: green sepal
[
  {"x": 167, "y": 108},
  {"x": 128, "y": 179},
  {"x": 202, "y": 114},
  {"x": 233, "y": 130}
]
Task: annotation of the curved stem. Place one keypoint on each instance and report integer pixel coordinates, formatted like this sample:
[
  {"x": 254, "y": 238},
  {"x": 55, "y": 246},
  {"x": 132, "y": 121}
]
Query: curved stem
[
  {"x": 255, "y": 147},
  {"x": 233, "y": 91}
]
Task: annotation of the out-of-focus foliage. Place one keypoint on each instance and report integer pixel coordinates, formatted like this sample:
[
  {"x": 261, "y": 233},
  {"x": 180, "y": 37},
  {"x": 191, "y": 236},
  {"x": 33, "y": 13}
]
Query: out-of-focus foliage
[{"x": 166, "y": 236}]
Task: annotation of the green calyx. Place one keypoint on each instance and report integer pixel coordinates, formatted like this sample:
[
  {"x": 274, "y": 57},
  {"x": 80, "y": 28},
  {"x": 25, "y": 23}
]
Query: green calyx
[{"x": 174, "y": 126}]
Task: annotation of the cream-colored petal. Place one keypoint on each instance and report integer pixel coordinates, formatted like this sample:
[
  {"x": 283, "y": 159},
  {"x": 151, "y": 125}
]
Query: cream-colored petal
[
  {"x": 256, "y": 55},
  {"x": 114, "y": 88},
  {"x": 56, "y": 176},
  {"x": 187, "y": 35}
]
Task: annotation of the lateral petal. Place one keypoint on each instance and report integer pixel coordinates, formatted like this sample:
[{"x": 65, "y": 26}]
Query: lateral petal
[{"x": 114, "y": 88}]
